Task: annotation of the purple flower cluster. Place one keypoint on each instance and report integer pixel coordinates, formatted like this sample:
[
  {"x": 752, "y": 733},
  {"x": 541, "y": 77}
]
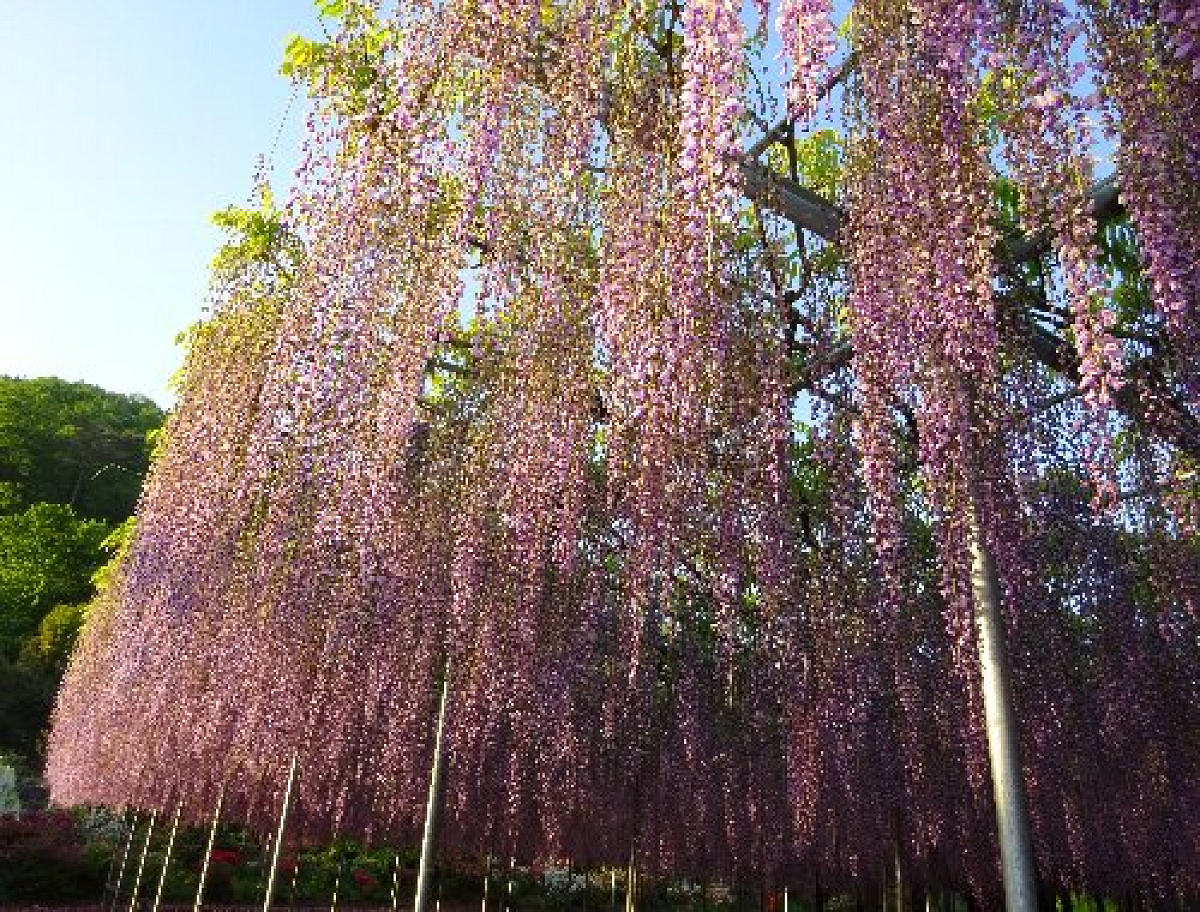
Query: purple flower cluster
[{"x": 523, "y": 416}]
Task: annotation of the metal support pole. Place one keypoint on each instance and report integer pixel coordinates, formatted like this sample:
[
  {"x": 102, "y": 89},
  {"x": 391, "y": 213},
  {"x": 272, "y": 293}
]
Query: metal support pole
[
  {"x": 116, "y": 886},
  {"x": 292, "y": 884},
  {"x": 212, "y": 839},
  {"x": 269, "y": 893},
  {"x": 137, "y": 880},
  {"x": 337, "y": 884},
  {"x": 901, "y": 901},
  {"x": 396, "y": 882},
  {"x": 487, "y": 883},
  {"x": 433, "y": 805},
  {"x": 112, "y": 867},
  {"x": 508, "y": 887},
  {"x": 162, "y": 877},
  {"x": 1008, "y": 784},
  {"x": 630, "y": 886}
]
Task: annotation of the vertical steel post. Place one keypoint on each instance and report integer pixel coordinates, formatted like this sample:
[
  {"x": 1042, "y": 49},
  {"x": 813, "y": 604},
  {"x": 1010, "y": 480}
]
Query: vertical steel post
[
  {"x": 112, "y": 867},
  {"x": 630, "y": 885},
  {"x": 162, "y": 877},
  {"x": 116, "y": 886},
  {"x": 137, "y": 880},
  {"x": 508, "y": 889},
  {"x": 1008, "y": 784},
  {"x": 337, "y": 884},
  {"x": 212, "y": 839},
  {"x": 269, "y": 893},
  {"x": 396, "y": 882},
  {"x": 292, "y": 884},
  {"x": 433, "y": 804}
]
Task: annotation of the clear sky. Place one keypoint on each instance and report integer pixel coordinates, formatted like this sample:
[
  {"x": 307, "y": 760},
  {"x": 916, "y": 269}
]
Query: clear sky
[{"x": 123, "y": 125}]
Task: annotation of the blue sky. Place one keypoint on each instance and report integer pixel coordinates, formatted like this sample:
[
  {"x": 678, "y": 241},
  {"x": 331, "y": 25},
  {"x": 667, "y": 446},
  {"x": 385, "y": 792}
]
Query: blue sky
[{"x": 125, "y": 124}]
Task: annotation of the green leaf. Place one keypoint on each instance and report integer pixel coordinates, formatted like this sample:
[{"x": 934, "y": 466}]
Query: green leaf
[{"x": 332, "y": 9}]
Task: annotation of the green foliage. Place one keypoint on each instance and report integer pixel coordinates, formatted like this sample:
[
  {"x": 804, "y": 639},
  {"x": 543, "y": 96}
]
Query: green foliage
[
  {"x": 27, "y": 691},
  {"x": 115, "y": 545},
  {"x": 1121, "y": 259},
  {"x": 995, "y": 101},
  {"x": 1008, "y": 206},
  {"x": 47, "y": 557},
  {"x": 339, "y": 74},
  {"x": 820, "y": 161},
  {"x": 810, "y": 483},
  {"x": 73, "y": 443},
  {"x": 56, "y": 636},
  {"x": 302, "y": 55},
  {"x": 254, "y": 269},
  {"x": 255, "y": 237},
  {"x": 72, "y": 460}
]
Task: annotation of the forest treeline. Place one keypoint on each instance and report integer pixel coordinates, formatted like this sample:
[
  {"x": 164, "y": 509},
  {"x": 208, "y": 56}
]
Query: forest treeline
[{"x": 72, "y": 460}]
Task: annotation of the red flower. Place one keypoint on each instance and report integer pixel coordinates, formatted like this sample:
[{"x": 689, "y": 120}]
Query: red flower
[
  {"x": 224, "y": 856},
  {"x": 364, "y": 878}
]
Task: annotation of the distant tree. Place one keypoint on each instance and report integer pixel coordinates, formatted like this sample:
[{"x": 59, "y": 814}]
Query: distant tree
[
  {"x": 72, "y": 461},
  {"x": 73, "y": 443},
  {"x": 48, "y": 555}
]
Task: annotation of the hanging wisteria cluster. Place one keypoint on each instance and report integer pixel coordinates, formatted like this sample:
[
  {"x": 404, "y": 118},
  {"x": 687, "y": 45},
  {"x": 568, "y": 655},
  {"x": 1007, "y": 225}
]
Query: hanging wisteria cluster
[{"x": 530, "y": 387}]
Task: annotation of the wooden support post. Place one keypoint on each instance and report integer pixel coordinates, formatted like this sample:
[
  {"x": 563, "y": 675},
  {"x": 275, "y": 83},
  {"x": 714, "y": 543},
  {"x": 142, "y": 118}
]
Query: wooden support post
[
  {"x": 162, "y": 877},
  {"x": 269, "y": 893},
  {"x": 137, "y": 880},
  {"x": 433, "y": 805},
  {"x": 1008, "y": 784},
  {"x": 212, "y": 839}
]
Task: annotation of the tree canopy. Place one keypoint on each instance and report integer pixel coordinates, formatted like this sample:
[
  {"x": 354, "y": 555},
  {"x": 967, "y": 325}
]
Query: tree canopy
[
  {"x": 49, "y": 556},
  {"x": 72, "y": 461},
  {"x": 75, "y": 444}
]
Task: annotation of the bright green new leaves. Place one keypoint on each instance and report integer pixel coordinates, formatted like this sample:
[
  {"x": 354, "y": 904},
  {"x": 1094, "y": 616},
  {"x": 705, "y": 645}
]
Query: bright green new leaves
[
  {"x": 339, "y": 74},
  {"x": 255, "y": 238}
]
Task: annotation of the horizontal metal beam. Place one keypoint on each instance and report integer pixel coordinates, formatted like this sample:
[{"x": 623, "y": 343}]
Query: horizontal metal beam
[
  {"x": 809, "y": 210},
  {"x": 798, "y": 204}
]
